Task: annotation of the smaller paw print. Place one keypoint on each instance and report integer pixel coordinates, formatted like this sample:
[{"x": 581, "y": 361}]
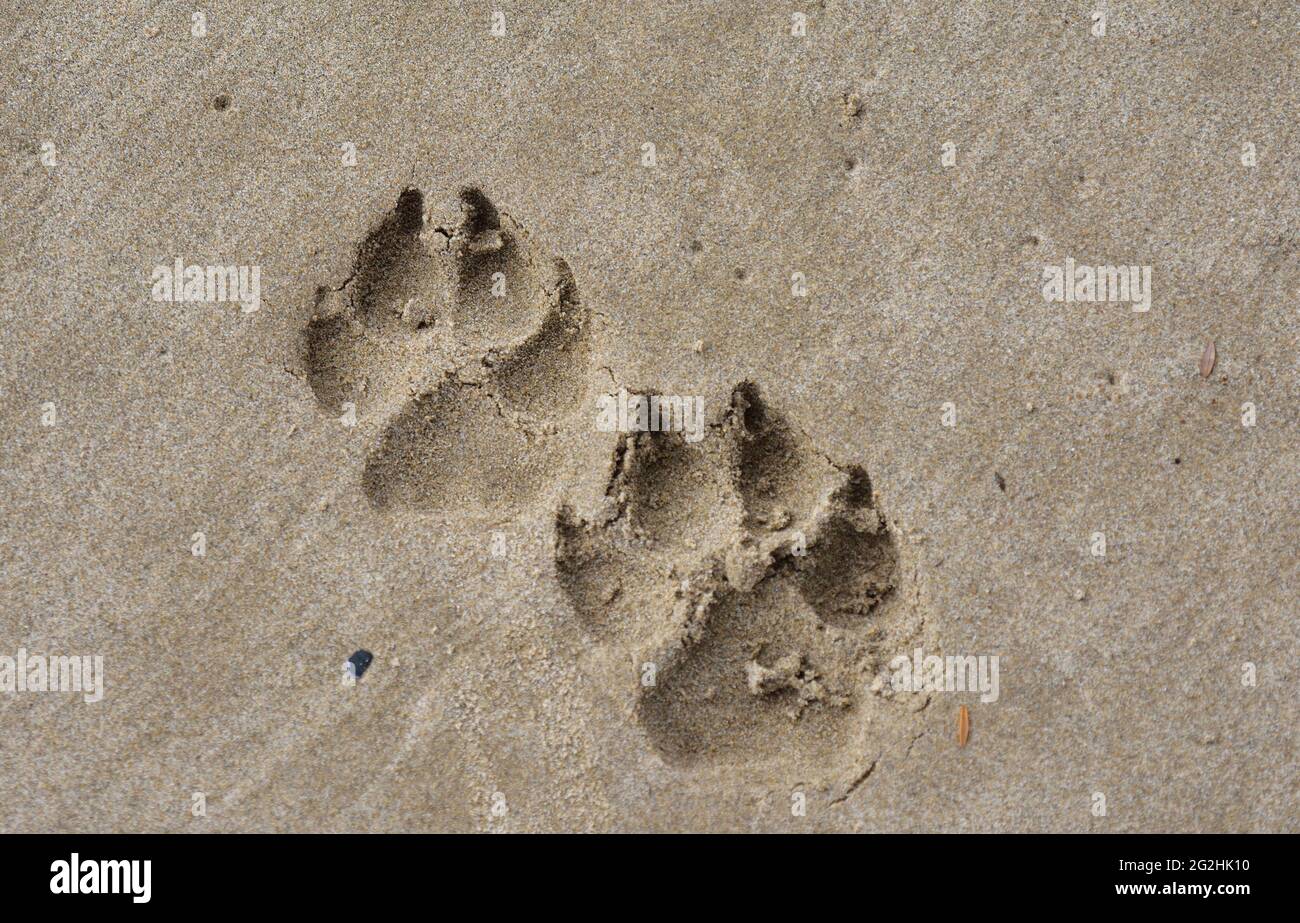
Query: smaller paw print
[{"x": 464, "y": 348}]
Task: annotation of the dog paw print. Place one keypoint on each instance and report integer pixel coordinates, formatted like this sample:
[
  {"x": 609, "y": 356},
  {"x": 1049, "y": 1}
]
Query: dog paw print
[
  {"x": 464, "y": 345},
  {"x": 751, "y": 577}
]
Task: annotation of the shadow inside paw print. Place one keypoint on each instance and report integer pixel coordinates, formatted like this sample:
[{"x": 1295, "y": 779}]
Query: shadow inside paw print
[
  {"x": 468, "y": 349},
  {"x": 670, "y": 502},
  {"x": 751, "y": 575},
  {"x": 356, "y": 346}
]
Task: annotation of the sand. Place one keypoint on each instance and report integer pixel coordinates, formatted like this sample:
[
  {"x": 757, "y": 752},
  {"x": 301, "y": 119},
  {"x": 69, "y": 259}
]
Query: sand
[{"x": 835, "y": 232}]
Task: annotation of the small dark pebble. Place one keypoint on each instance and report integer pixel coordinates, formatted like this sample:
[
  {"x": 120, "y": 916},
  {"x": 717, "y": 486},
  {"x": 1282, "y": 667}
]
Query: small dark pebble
[
  {"x": 360, "y": 662},
  {"x": 998, "y": 480}
]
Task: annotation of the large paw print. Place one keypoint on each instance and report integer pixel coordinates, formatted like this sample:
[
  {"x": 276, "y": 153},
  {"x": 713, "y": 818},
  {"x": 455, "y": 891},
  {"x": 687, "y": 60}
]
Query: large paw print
[
  {"x": 750, "y": 575},
  {"x": 465, "y": 347}
]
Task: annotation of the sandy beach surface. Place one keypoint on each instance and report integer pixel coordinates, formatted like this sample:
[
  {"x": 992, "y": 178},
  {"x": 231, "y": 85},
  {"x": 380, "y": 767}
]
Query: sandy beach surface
[{"x": 975, "y": 327}]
